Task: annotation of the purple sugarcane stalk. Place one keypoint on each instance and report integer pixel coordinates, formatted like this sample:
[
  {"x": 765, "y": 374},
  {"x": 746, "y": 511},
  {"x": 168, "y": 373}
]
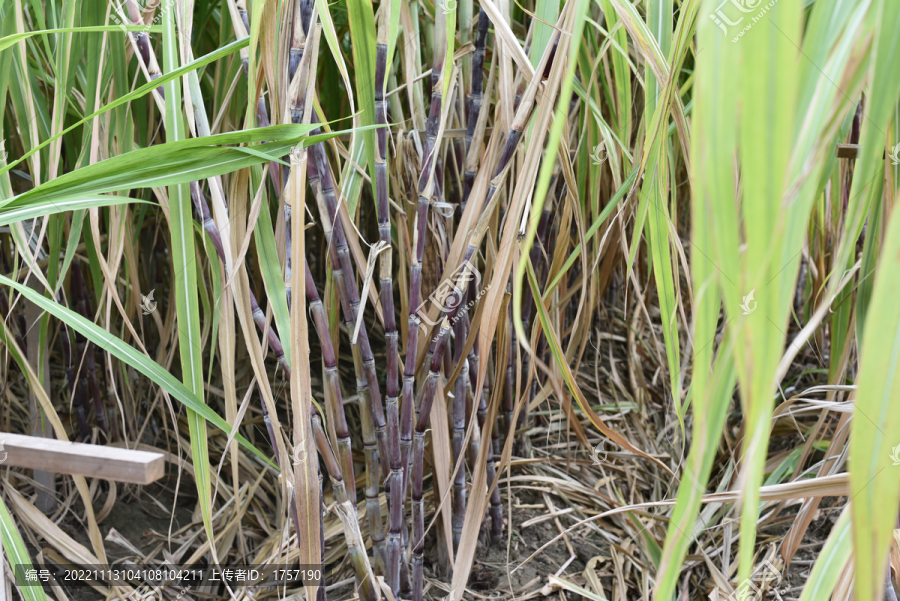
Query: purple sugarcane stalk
[
  {"x": 142, "y": 42},
  {"x": 496, "y": 509},
  {"x": 461, "y": 286},
  {"x": 425, "y": 186},
  {"x": 475, "y": 100},
  {"x": 77, "y": 399},
  {"x": 458, "y": 425},
  {"x": 364, "y": 363},
  {"x": 259, "y": 317},
  {"x": 370, "y": 448},
  {"x": 528, "y": 304},
  {"x": 508, "y": 388},
  {"x": 418, "y": 509},
  {"x": 332, "y": 381},
  {"x": 394, "y": 483},
  {"x": 350, "y": 298},
  {"x": 366, "y": 588},
  {"x": 82, "y": 305}
]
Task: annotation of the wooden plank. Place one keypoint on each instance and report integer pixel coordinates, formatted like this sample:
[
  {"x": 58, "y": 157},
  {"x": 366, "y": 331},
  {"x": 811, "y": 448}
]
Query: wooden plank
[
  {"x": 847, "y": 151},
  {"x": 92, "y": 461},
  {"x": 850, "y": 151}
]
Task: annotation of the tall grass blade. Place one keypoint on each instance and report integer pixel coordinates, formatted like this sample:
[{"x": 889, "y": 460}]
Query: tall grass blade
[{"x": 17, "y": 554}]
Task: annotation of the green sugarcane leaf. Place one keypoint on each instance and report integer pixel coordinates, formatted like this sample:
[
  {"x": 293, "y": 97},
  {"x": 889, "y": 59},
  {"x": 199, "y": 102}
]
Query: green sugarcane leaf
[
  {"x": 714, "y": 144},
  {"x": 875, "y": 429},
  {"x": 170, "y": 164},
  {"x": 270, "y": 267},
  {"x": 363, "y": 36},
  {"x": 547, "y": 13},
  {"x": 39, "y": 208},
  {"x": 881, "y": 100},
  {"x": 141, "y": 91},
  {"x": 768, "y": 69},
  {"x": 184, "y": 263},
  {"x": 127, "y": 354},
  {"x": 352, "y": 179},
  {"x": 8, "y": 41},
  {"x": 830, "y": 561},
  {"x": 17, "y": 554},
  {"x": 655, "y": 206},
  {"x": 659, "y": 243},
  {"x": 621, "y": 72},
  {"x": 659, "y": 24},
  {"x": 544, "y": 175}
]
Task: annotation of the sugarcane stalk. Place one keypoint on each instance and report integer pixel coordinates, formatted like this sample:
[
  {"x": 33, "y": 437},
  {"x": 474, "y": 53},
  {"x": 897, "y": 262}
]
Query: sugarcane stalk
[
  {"x": 350, "y": 300},
  {"x": 424, "y": 187},
  {"x": 458, "y": 422},
  {"x": 471, "y": 367},
  {"x": 508, "y": 388},
  {"x": 476, "y": 96},
  {"x": 370, "y": 445},
  {"x": 394, "y": 483},
  {"x": 522, "y": 116},
  {"x": 259, "y": 318},
  {"x": 528, "y": 303},
  {"x": 370, "y": 450},
  {"x": 418, "y": 509},
  {"x": 405, "y": 576},
  {"x": 346, "y": 511},
  {"x": 144, "y": 49},
  {"x": 512, "y": 140},
  {"x": 496, "y": 509},
  {"x": 69, "y": 360},
  {"x": 83, "y": 306},
  {"x": 320, "y": 591},
  {"x": 332, "y": 381}
]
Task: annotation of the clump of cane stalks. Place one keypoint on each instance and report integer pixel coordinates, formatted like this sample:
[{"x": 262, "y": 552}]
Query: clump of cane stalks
[{"x": 361, "y": 270}]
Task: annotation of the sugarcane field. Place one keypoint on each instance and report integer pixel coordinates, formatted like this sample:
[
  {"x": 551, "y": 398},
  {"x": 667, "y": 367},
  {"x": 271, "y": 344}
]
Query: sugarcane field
[{"x": 450, "y": 300}]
